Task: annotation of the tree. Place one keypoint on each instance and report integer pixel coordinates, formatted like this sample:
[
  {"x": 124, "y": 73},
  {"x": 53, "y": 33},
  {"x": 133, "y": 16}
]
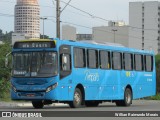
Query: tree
[
  {"x": 158, "y": 72},
  {"x": 4, "y": 72},
  {"x": 45, "y": 36},
  {"x": 7, "y": 37}
]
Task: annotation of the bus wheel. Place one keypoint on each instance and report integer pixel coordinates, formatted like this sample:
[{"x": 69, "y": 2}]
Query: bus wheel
[
  {"x": 77, "y": 99},
  {"x": 37, "y": 104},
  {"x": 127, "y": 98},
  {"x": 91, "y": 103}
]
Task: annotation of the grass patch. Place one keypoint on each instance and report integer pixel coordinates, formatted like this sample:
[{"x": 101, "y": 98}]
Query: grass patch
[
  {"x": 6, "y": 97},
  {"x": 156, "y": 97}
]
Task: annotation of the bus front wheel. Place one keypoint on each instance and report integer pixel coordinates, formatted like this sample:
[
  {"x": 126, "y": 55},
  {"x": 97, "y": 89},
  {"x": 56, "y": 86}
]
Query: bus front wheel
[
  {"x": 77, "y": 99},
  {"x": 37, "y": 104},
  {"x": 127, "y": 98}
]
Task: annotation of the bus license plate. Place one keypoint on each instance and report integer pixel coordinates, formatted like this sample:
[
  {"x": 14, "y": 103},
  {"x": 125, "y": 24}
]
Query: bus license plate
[{"x": 30, "y": 95}]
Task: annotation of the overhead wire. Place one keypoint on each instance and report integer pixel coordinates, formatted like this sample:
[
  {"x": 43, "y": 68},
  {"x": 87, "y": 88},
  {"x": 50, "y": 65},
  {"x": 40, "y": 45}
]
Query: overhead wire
[
  {"x": 91, "y": 15},
  {"x": 9, "y": 15}
]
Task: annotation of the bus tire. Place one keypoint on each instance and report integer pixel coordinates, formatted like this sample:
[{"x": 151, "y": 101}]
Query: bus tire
[
  {"x": 77, "y": 99},
  {"x": 127, "y": 98},
  {"x": 91, "y": 103},
  {"x": 37, "y": 104}
]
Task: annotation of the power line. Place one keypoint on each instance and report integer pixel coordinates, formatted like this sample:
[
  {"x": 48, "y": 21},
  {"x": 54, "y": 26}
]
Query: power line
[
  {"x": 91, "y": 15},
  {"x": 108, "y": 31},
  {"x": 9, "y": 15},
  {"x": 65, "y": 6}
]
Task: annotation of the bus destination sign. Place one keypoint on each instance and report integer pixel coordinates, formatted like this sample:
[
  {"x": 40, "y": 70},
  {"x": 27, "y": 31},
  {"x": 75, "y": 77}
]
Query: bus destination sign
[{"x": 35, "y": 44}]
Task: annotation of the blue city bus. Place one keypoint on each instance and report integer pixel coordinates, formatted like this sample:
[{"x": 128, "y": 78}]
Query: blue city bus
[{"x": 80, "y": 73}]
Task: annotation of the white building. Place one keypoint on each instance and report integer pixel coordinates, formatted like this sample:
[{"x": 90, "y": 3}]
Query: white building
[
  {"x": 68, "y": 32},
  {"x": 27, "y": 18},
  {"x": 115, "y": 32},
  {"x": 84, "y": 37},
  {"x": 144, "y": 21},
  {"x": 19, "y": 36}
]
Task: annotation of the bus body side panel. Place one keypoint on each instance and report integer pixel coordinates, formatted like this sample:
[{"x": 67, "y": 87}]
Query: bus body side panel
[
  {"x": 109, "y": 85},
  {"x": 98, "y": 84},
  {"x": 141, "y": 83}
]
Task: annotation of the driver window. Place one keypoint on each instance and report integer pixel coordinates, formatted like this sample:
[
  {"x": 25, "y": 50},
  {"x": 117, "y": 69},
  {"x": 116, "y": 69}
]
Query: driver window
[{"x": 65, "y": 62}]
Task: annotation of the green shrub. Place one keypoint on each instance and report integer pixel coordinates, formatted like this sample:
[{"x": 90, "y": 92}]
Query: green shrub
[
  {"x": 157, "y": 97},
  {"x": 5, "y": 73}
]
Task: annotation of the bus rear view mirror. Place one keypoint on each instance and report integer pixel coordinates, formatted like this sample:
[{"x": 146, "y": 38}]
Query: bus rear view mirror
[{"x": 6, "y": 60}]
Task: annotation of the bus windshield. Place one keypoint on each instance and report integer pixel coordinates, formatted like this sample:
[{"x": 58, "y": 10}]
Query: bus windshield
[{"x": 34, "y": 64}]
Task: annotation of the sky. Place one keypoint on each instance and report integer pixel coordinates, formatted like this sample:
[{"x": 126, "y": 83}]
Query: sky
[{"x": 107, "y": 9}]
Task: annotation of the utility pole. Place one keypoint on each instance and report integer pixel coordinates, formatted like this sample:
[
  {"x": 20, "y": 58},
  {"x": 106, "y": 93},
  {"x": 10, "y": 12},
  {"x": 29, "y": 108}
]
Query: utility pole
[
  {"x": 43, "y": 24},
  {"x": 58, "y": 18}
]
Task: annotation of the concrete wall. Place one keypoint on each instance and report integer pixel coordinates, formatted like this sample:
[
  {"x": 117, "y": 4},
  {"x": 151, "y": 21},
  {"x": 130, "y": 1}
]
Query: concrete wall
[
  {"x": 143, "y": 21},
  {"x": 151, "y": 22},
  {"x": 135, "y": 20},
  {"x": 106, "y": 34},
  {"x": 68, "y": 32},
  {"x": 17, "y": 37}
]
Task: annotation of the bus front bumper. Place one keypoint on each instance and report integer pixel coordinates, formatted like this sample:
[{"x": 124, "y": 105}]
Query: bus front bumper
[{"x": 33, "y": 95}]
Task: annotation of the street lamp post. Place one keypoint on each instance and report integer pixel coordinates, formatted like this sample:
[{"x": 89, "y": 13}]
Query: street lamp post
[{"x": 42, "y": 18}]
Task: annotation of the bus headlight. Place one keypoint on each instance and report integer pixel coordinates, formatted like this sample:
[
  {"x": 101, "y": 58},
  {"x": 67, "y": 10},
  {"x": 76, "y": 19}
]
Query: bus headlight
[
  {"x": 14, "y": 88},
  {"x": 51, "y": 87}
]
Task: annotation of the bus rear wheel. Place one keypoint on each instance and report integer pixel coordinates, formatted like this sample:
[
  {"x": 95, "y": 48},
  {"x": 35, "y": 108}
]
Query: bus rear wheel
[
  {"x": 37, "y": 104},
  {"x": 127, "y": 98},
  {"x": 77, "y": 99},
  {"x": 91, "y": 103}
]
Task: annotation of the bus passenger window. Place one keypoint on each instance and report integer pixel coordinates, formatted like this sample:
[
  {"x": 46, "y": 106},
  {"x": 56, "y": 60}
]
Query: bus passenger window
[
  {"x": 92, "y": 56},
  {"x": 104, "y": 59},
  {"x": 138, "y": 65},
  {"x": 79, "y": 58},
  {"x": 116, "y": 61},
  {"x": 128, "y": 61},
  {"x": 148, "y": 63}
]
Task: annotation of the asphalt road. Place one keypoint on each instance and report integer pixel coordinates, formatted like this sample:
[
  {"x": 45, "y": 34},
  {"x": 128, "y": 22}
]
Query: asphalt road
[{"x": 139, "y": 107}]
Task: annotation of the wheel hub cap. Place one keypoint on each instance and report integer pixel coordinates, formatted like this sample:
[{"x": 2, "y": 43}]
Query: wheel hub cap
[{"x": 77, "y": 98}]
